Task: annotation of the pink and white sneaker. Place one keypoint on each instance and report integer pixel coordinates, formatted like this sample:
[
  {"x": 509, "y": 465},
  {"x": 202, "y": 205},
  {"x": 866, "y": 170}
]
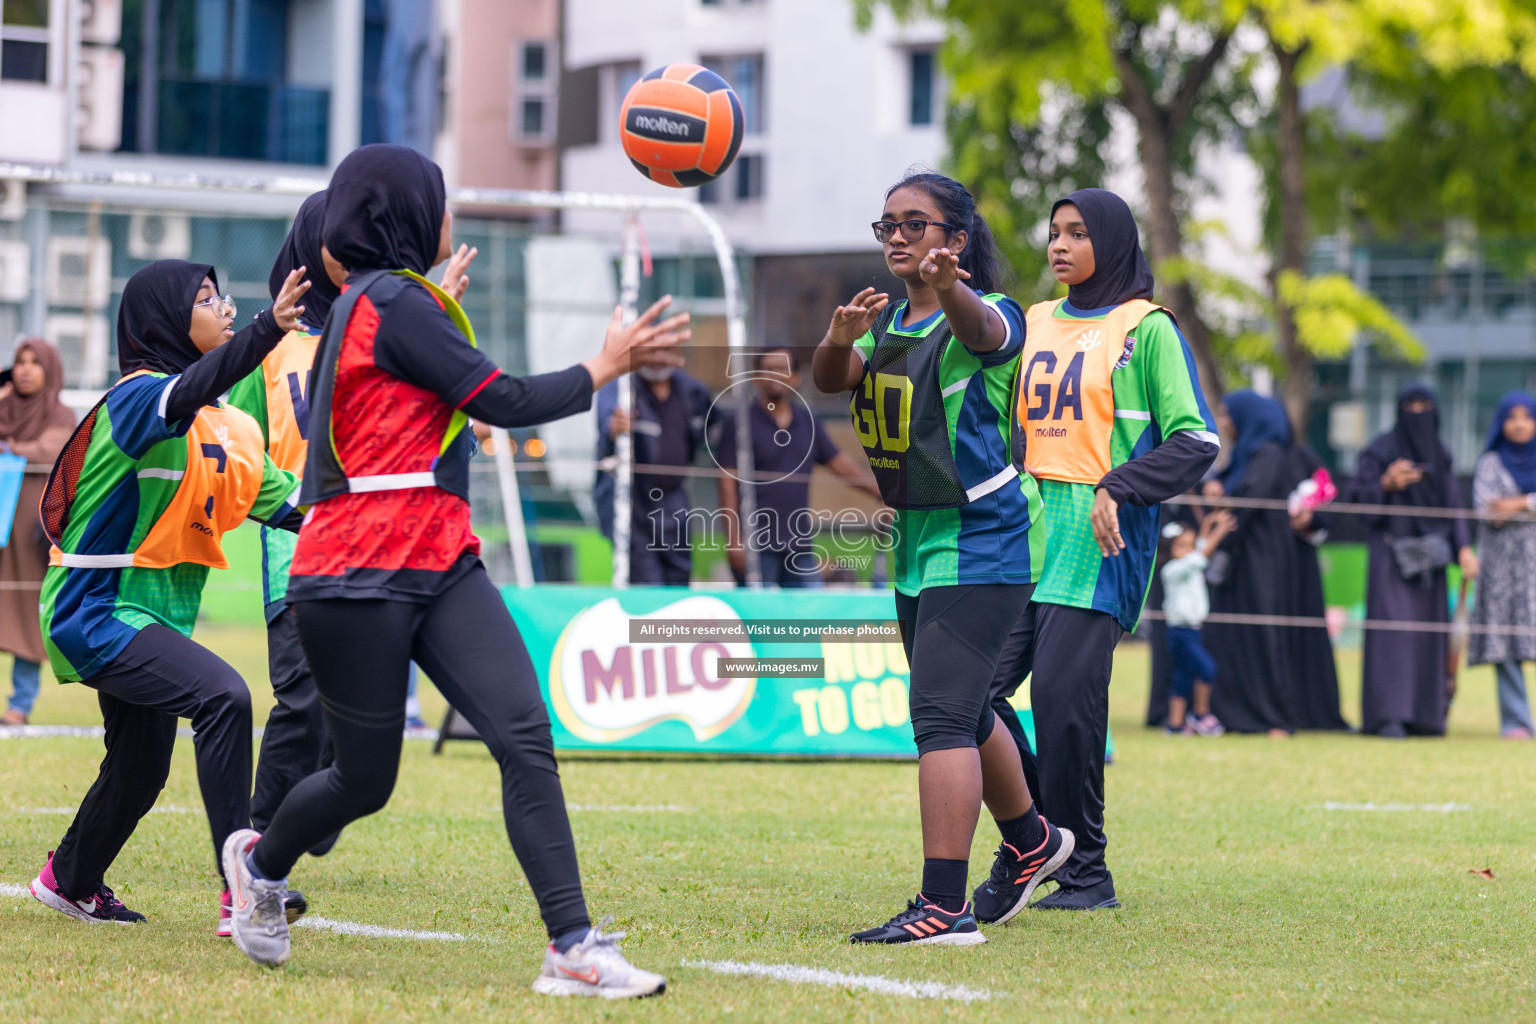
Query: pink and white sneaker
[
  {"x": 294, "y": 904},
  {"x": 100, "y": 907}
]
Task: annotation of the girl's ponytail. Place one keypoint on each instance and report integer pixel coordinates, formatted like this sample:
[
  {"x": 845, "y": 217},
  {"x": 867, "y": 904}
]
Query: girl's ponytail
[{"x": 980, "y": 258}]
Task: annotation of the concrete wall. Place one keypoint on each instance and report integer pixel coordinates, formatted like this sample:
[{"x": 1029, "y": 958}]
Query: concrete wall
[{"x": 836, "y": 101}]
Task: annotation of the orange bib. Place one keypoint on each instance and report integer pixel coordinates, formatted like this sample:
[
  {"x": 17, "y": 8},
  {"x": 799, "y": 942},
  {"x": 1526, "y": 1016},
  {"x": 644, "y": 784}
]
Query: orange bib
[
  {"x": 1066, "y": 399},
  {"x": 225, "y": 466},
  {"x": 285, "y": 376}
]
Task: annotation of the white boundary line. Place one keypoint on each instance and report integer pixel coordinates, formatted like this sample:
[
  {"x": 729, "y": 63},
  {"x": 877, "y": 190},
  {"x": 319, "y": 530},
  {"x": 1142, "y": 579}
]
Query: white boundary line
[
  {"x": 1334, "y": 805},
  {"x": 837, "y": 979},
  {"x": 374, "y": 931},
  {"x": 774, "y": 972},
  {"x": 317, "y": 923}
]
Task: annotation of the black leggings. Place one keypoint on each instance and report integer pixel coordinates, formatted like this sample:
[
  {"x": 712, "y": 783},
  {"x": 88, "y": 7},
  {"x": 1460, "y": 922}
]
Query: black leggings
[
  {"x": 360, "y": 652},
  {"x": 1068, "y": 653},
  {"x": 160, "y": 676},
  {"x": 953, "y": 637}
]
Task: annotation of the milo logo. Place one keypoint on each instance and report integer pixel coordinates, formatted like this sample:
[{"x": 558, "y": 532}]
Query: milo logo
[{"x": 605, "y": 688}]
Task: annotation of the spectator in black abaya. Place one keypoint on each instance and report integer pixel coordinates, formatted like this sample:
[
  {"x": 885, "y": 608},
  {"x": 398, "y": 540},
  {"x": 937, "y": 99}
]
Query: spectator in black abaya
[
  {"x": 1404, "y": 676},
  {"x": 1274, "y": 679}
]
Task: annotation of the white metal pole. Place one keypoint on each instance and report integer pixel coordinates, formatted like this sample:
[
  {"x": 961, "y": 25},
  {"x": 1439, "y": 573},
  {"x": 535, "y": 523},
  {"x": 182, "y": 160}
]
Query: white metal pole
[
  {"x": 512, "y": 507},
  {"x": 624, "y": 444},
  {"x": 736, "y": 340}
]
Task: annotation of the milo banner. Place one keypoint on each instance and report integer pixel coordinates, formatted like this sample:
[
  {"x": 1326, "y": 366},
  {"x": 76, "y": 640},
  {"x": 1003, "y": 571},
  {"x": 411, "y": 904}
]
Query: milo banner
[{"x": 726, "y": 672}]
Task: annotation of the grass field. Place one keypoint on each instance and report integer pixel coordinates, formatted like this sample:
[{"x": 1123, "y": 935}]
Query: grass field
[{"x": 1255, "y": 887}]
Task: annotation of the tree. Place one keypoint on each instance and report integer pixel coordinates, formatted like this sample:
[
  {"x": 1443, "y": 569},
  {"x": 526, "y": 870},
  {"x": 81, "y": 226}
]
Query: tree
[
  {"x": 1411, "y": 55},
  {"x": 1031, "y": 72}
]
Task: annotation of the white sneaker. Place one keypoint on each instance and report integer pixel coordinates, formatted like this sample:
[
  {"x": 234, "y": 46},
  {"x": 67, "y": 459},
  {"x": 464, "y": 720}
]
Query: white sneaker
[
  {"x": 595, "y": 967},
  {"x": 258, "y": 920}
]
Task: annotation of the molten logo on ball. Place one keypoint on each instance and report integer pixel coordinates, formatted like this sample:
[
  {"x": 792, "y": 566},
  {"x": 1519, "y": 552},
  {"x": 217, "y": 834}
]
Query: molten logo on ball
[
  {"x": 681, "y": 125},
  {"x": 606, "y": 689}
]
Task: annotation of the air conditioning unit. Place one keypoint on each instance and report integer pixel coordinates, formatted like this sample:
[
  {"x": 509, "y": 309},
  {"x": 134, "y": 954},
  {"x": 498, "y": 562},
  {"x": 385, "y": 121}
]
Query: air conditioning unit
[
  {"x": 159, "y": 236},
  {"x": 101, "y": 22},
  {"x": 77, "y": 272},
  {"x": 15, "y": 271},
  {"x": 13, "y": 199},
  {"x": 82, "y": 348},
  {"x": 99, "y": 98}
]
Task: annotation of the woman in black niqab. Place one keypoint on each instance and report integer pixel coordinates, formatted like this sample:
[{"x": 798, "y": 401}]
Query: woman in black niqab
[{"x": 1404, "y": 684}]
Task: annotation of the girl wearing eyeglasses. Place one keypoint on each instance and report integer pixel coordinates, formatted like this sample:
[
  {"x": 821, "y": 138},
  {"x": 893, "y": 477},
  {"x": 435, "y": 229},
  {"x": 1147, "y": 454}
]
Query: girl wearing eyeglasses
[
  {"x": 135, "y": 508},
  {"x": 930, "y": 379}
]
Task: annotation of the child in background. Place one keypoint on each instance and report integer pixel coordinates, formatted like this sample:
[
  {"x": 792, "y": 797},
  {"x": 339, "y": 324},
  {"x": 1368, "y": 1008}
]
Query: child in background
[{"x": 1186, "y": 604}]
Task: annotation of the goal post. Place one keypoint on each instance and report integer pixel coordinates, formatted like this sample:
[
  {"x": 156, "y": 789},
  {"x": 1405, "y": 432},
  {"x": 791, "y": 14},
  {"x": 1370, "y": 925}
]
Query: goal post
[{"x": 122, "y": 185}]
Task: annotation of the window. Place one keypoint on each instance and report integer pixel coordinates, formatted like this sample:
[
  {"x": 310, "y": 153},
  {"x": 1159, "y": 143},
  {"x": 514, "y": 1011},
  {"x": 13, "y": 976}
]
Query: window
[
  {"x": 745, "y": 76},
  {"x": 921, "y": 78},
  {"x": 24, "y": 40},
  {"x": 613, "y": 83},
  {"x": 534, "y": 109},
  {"x": 741, "y": 183},
  {"x": 534, "y": 62},
  {"x": 210, "y": 78}
]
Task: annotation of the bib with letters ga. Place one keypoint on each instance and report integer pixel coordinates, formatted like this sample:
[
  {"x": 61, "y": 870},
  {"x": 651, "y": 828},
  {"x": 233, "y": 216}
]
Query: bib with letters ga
[{"x": 1066, "y": 398}]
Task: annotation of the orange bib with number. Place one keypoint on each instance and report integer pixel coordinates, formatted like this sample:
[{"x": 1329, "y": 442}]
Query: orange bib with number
[
  {"x": 1066, "y": 398},
  {"x": 216, "y": 489}
]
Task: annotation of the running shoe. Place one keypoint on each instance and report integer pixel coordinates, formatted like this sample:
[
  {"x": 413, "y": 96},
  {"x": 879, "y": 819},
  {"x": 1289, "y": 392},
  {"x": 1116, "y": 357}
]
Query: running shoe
[
  {"x": 595, "y": 967},
  {"x": 294, "y": 904},
  {"x": 100, "y": 907},
  {"x": 1015, "y": 875},
  {"x": 1100, "y": 896},
  {"x": 925, "y": 923},
  {"x": 1206, "y": 725},
  {"x": 258, "y": 920}
]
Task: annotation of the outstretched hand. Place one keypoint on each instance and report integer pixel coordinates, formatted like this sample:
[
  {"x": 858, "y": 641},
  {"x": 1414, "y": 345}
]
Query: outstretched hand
[
  {"x": 940, "y": 269},
  {"x": 286, "y": 310},
  {"x": 645, "y": 342},
  {"x": 853, "y": 321},
  {"x": 455, "y": 281}
]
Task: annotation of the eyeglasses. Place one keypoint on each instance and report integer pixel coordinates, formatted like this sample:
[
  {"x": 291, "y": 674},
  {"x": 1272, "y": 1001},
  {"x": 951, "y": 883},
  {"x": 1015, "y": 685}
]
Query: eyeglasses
[
  {"x": 218, "y": 306},
  {"x": 911, "y": 230}
]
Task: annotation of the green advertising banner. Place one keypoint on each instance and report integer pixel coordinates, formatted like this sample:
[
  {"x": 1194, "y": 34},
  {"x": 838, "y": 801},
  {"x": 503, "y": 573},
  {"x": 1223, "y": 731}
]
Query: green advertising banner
[{"x": 608, "y": 690}]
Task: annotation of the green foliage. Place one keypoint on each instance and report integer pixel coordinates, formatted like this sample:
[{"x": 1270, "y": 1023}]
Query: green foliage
[{"x": 1331, "y": 312}]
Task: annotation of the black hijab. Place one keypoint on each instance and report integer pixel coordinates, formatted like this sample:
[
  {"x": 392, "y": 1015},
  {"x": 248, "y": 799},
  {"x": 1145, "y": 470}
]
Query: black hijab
[
  {"x": 1416, "y": 437},
  {"x": 1120, "y": 272},
  {"x": 302, "y": 249},
  {"x": 384, "y": 210},
  {"x": 155, "y": 317}
]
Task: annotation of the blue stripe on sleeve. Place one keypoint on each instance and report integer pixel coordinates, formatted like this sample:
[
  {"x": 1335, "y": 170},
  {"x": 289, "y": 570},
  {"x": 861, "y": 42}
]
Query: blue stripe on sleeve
[{"x": 138, "y": 423}]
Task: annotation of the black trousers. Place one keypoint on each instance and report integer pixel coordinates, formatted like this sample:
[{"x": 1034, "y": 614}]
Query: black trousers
[
  {"x": 159, "y": 677},
  {"x": 295, "y": 743},
  {"x": 1069, "y": 655},
  {"x": 953, "y": 637},
  {"x": 360, "y": 652}
]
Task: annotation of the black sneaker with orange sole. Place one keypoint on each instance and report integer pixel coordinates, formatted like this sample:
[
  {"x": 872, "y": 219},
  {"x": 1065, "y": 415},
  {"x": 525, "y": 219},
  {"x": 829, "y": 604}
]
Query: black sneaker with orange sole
[
  {"x": 925, "y": 923},
  {"x": 1016, "y": 875}
]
